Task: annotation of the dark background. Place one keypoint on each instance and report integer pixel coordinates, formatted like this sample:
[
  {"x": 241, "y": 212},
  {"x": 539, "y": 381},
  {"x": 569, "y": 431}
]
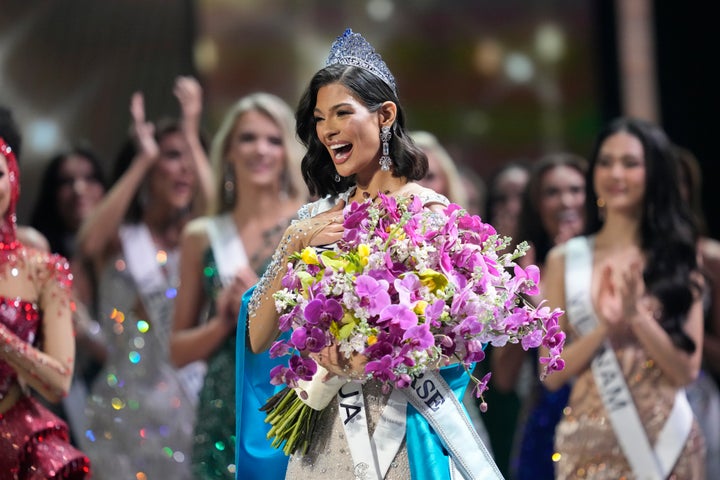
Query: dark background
[
  {"x": 686, "y": 42},
  {"x": 76, "y": 63}
]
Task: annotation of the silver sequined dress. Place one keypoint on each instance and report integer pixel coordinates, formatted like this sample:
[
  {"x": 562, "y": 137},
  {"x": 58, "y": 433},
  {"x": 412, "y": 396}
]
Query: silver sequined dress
[{"x": 140, "y": 418}]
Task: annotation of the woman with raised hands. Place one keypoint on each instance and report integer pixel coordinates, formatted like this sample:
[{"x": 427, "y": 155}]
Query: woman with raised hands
[{"x": 141, "y": 410}]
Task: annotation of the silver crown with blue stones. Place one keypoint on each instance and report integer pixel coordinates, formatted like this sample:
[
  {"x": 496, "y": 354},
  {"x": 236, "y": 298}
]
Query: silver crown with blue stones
[{"x": 352, "y": 49}]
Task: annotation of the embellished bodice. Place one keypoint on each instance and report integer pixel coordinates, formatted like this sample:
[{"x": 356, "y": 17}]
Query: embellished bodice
[
  {"x": 23, "y": 319},
  {"x": 309, "y": 210},
  {"x": 129, "y": 317}
]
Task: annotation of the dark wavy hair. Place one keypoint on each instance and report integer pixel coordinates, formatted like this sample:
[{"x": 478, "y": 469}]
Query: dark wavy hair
[
  {"x": 531, "y": 228},
  {"x": 318, "y": 169},
  {"x": 668, "y": 232},
  {"x": 45, "y": 216}
]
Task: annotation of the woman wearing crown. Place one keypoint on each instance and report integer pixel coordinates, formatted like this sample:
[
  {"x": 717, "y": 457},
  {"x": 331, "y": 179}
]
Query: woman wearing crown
[{"x": 352, "y": 123}]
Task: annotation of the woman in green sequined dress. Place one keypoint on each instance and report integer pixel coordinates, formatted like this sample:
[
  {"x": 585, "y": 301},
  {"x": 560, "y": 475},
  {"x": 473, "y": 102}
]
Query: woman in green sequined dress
[{"x": 257, "y": 162}]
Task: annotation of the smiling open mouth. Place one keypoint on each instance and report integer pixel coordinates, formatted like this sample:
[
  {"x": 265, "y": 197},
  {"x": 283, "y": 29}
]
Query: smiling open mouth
[{"x": 340, "y": 152}]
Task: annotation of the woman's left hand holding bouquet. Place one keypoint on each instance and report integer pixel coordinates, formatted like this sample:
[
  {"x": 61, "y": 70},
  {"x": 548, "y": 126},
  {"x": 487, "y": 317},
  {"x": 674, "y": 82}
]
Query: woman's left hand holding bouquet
[
  {"x": 323, "y": 229},
  {"x": 337, "y": 364}
]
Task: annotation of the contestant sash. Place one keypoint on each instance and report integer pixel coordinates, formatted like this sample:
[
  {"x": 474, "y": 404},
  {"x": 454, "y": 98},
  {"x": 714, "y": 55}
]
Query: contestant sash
[
  {"x": 157, "y": 292},
  {"x": 227, "y": 247},
  {"x": 436, "y": 402},
  {"x": 647, "y": 462}
]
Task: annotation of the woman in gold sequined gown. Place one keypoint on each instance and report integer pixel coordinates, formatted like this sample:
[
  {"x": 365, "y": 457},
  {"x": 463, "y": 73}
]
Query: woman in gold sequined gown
[{"x": 645, "y": 294}]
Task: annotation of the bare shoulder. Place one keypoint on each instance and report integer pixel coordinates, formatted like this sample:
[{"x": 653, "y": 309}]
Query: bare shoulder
[
  {"x": 709, "y": 249},
  {"x": 428, "y": 196},
  {"x": 32, "y": 237},
  {"x": 556, "y": 257},
  {"x": 195, "y": 237},
  {"x": 48, "y": 268}
]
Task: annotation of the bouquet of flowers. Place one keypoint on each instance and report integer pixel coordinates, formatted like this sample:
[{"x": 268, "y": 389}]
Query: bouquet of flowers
[{"x": 408, "y": 289}]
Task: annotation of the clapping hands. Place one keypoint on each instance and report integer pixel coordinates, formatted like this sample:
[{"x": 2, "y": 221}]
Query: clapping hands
[
  {"x": 227, "y": 304},
  {"x": 621, "y": 295}
]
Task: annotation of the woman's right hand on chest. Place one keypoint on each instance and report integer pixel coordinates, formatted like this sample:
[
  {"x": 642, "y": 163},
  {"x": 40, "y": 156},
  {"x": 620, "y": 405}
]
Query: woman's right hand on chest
[{"x": 323, "y": 229}]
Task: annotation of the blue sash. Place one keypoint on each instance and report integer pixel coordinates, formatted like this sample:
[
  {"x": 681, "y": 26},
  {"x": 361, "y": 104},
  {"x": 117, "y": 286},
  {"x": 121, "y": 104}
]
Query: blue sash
[{"x": 255, "y": 458}]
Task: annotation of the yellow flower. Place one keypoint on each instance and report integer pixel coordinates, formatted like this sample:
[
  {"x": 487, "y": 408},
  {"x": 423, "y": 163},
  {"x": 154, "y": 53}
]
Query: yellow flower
[
  {"x": 433, "y": 280},
  {"x": 371, "y": 339},
  {"x": 420, "y": 307},
  {"x": 309, "y": 256},
  {"x": 332, "y": 260},
  {"x": 306, "y": 280},
  {"x": 363, "y": 252}
]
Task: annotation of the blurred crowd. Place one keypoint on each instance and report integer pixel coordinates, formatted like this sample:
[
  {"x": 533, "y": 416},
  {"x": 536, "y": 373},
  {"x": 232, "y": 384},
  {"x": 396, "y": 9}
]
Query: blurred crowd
[{"x": 156, "y": 289}]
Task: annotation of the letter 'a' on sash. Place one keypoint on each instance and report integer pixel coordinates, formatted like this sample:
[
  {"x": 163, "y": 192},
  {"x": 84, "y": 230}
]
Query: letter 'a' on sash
[
  {"x": 647, "y": 462},
  {"x": 371, "y": 456},
  {"x": 227, "y": 246}
]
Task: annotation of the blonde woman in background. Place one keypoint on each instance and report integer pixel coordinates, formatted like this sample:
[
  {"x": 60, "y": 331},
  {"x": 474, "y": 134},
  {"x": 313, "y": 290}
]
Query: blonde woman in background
[
  {"x": 257, "y": 162},
  {"x": 443, "y": 175}
]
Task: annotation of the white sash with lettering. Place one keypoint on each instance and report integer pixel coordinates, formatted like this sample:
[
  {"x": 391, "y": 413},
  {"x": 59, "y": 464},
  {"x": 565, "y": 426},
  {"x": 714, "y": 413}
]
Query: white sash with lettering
[
  {"x": 227, "y": 247},
  {"x": 647, "y": 462},
  {"x": 436, "y": 402},
  {"x": 156, "y": 292}
]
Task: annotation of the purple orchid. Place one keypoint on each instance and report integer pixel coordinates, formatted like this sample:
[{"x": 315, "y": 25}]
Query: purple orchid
[
  {"x": 399, "y": 315},
  {"x": 278, "y": 349},
  {"x": 419, "y": 336},
  {"x": 312, "y": 340},
  {"x": 303, "y": 368},
  {"x": 381, "y": 369},
  {"x": 323, "y": 311},
  {"x": 373, "y": 293}
]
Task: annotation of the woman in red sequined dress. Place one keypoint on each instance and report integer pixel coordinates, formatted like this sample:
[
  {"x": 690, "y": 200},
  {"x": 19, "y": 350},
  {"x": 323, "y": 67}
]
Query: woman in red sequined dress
[{"x": 37, "y": 345}]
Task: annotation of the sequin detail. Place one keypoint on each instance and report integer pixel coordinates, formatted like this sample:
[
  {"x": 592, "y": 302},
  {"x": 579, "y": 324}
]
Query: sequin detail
[
  {"x": 30, "y": 435},
  {"x": 213, "y": 449},
  {"x": 139, "y": 416},
  {"x": 35, "y": 440},
  {"x": 585, "y": 441},
  {"x": 329, "y": 457}
]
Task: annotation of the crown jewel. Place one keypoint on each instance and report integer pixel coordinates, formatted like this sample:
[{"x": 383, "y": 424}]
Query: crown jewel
[{"x": 352, "y": 49}]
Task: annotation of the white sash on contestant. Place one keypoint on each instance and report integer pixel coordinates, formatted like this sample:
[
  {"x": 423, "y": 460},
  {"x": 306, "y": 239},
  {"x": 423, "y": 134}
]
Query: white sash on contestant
[
  {"x": 436, "y": 402},
  {"x": 647, "y": 462},
  {"x": 227, "y": 247},
  {"x": 156, "y": 290}
]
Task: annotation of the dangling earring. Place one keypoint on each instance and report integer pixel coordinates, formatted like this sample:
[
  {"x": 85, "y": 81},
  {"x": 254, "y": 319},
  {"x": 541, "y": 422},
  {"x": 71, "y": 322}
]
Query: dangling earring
[
  {"x": 337, "y": 178},
  {"x": 385, "y": 160},
  {"x": 601, "y": 208},
  {"x": 229, "y": 184}
]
